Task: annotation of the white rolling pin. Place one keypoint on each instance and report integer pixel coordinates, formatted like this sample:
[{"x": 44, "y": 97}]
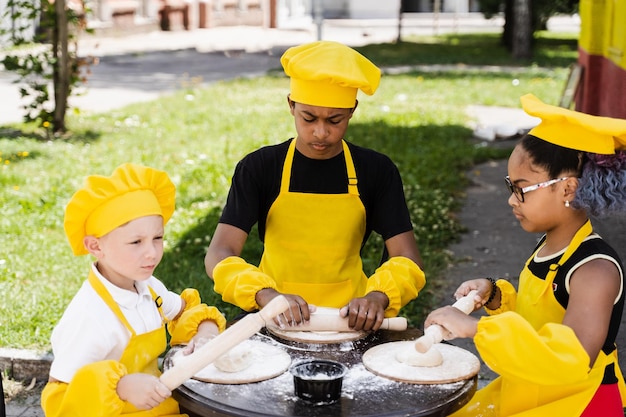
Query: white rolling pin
[
  {"x": 336, "y": 323},
  {"x": 434, "y": 334},
  {"x": 188, "y": 366}
]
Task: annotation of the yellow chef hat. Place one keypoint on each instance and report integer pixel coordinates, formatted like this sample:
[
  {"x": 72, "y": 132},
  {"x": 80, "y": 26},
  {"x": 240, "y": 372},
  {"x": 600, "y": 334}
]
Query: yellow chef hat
[
  {"x": 329, "y": 74},
  {"x": 105, "y": 203},
  {"x": 575, "y": 130}
]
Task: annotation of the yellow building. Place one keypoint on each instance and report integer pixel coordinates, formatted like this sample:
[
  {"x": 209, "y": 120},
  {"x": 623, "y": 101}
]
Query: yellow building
[{"x": 602, "y": 57}]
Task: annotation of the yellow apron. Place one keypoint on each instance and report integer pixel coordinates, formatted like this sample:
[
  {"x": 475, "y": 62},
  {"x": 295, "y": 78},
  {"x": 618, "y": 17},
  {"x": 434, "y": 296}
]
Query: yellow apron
[
  {"x": 531, "y": 390},
  {"x": 95, "y": 395},
  {"x": 313, "y": 241}
]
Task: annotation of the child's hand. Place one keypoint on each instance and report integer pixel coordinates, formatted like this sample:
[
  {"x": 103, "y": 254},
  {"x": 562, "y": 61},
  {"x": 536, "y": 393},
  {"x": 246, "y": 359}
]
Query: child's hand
[
  {"x": 366, "y": 313},
  {"x": 144, "y": 391},
  {"x": 482, "y": 285},
  {"x": 195, "y": 343},
  {"x": 454, "y": 322},
  {"x": 207, "y": 330},
  {"x": 299, "y": 310}
]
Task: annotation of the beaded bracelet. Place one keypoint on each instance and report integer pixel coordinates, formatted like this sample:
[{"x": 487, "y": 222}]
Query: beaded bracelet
[{"x": 494, "y": 289}]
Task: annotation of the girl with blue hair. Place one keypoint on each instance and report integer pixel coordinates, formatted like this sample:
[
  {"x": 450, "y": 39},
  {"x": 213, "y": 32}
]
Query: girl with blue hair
[{"x": 552, "y": 341}]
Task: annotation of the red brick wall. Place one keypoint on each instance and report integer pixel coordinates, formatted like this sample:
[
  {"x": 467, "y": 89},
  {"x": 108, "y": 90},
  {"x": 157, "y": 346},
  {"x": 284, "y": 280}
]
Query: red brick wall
[
  {"x": 602, "y": 91},
  {"x": 602, "y": 55}
]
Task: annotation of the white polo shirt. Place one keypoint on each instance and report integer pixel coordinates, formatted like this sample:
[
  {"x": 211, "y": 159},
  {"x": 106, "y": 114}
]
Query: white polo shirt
[{"x": 90, "y": 332}]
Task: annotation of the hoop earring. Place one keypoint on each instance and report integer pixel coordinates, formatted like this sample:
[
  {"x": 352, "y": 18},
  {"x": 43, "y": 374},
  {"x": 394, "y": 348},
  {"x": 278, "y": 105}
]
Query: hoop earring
[{"x": 567, "y": 203}]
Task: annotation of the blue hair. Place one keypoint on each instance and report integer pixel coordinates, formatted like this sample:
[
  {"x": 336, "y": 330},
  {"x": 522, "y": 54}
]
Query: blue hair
[
  {"x": 601, "y": 178},
  {"x": 602, "y": 185}
]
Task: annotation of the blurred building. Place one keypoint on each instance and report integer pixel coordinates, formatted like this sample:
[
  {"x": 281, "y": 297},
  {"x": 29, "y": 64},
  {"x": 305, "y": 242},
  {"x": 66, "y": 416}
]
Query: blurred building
[{"x": 128, "y": 16}]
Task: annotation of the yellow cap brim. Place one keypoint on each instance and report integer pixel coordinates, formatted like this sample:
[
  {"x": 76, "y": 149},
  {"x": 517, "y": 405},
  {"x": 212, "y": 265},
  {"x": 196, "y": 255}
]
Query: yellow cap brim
[{"x": 575, "y": 130}]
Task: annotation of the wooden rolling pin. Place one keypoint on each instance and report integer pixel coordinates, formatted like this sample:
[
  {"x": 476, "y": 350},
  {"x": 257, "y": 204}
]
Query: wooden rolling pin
[
  {"x": 434, "y": 334},
  {"x": 336, "y": 323},
  {"x": 188, "y": 366}
]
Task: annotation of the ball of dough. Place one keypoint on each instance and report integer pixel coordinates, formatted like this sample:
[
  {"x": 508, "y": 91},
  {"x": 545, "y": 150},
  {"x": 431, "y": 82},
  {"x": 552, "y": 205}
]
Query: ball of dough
[
  {"x": 431, "y": 358},
  {"x": 235, "y": 360}
]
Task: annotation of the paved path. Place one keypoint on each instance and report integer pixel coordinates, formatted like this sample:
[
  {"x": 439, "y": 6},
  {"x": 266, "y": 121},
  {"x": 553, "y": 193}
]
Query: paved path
[{"x": 143, "y": 67}]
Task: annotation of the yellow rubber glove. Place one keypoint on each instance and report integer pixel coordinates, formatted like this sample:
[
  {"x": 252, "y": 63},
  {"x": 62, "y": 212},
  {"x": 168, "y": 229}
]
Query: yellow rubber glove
[
  {"x": 400, "y": 279},
  {"x": 238, "y": 282}
]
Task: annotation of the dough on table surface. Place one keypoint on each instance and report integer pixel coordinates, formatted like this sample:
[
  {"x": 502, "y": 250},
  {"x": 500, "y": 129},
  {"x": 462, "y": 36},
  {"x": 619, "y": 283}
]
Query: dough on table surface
[
  {"x": 410, "y": 356},
  {"x": 458, "y": 364},
  {"x": 237, "y": 359},
  {"x": 316, "y": 337},
  {"x": 266, "y": 362}
]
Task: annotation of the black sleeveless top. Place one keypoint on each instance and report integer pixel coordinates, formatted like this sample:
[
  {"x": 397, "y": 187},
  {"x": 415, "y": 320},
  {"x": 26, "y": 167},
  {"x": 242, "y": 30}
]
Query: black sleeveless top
[{"x": 593, "y": 247}]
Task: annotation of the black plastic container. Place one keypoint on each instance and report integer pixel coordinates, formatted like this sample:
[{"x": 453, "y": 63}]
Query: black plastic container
[{"x": 318, "y": 381}]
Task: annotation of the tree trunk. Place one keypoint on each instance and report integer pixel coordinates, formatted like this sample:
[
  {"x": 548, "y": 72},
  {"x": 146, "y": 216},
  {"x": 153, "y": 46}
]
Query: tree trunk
[
  {"x": 522, "y": 30},
  {"x": 509, "y": 23},
  {"x": 61, "y": 66},
  {"x": 400, "y": 13}
]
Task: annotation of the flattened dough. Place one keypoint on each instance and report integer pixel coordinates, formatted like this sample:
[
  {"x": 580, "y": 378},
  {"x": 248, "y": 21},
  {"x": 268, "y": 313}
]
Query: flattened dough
[
  {"x": 458, "y": 364},
  {"x": 317, "y": 337},
  {"x": 267, "y": 361},
  {"x": 237, "y": 359}
]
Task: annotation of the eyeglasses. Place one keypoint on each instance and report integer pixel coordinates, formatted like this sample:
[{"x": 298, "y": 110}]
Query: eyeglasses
[{"x": 519, "y": 192}]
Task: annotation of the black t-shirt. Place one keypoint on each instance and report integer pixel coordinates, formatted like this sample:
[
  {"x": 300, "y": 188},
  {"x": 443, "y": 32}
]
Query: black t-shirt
[{"x": 256, "y": 184}]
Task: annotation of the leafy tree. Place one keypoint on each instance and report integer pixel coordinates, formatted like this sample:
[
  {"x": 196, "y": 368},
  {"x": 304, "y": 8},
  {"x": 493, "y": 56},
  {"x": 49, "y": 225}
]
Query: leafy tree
[{"x": 47, "y": 58}]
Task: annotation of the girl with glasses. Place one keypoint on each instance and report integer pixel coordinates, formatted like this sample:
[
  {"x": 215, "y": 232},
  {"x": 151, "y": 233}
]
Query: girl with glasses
[{"x": 552, "y": 340}]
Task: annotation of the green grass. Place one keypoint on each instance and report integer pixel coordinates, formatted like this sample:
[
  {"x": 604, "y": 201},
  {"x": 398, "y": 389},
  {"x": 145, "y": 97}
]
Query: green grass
[
  {"x": 550, "y": 50},
  {"x": 197, "y": 136}
]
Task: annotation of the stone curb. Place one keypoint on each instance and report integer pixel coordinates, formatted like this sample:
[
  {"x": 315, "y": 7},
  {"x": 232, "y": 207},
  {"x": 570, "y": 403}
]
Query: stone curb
[{"x": 22, "y": 364}]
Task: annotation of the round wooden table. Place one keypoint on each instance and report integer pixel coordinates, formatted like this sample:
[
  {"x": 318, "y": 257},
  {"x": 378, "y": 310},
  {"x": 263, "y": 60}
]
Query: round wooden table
[{"x": 363, "y": 393}]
